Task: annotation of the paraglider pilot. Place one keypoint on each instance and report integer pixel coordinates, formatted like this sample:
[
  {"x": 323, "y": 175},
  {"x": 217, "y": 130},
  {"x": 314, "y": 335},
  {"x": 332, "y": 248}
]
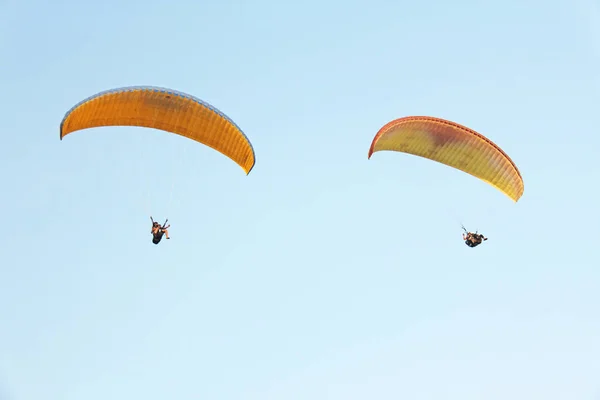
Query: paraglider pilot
[
  {"x": 159, "y": 230},
  {"x": 473, "y": 239}
]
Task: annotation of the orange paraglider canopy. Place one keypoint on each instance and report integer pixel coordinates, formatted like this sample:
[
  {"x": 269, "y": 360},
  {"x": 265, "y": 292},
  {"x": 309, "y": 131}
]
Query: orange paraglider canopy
[
  {"x": 454, "y": 145},
  {"x": 163, "y": 109}
]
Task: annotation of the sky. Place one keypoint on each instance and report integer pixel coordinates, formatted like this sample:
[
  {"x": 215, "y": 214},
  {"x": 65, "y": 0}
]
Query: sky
[{"x": 322, "y": 274}]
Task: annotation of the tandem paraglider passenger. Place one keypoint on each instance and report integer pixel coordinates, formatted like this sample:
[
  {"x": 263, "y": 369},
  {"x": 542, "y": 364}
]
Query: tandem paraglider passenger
[
  {"x": 473, "y": 239},
  {"x": 159, "y": 230}
]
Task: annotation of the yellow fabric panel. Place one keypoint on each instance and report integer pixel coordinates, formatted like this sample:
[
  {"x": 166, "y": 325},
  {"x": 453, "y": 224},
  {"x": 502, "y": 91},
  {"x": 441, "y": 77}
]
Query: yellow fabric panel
[
  {"x": 166, "y": 110},
  {"x": 454, "y": 145}
]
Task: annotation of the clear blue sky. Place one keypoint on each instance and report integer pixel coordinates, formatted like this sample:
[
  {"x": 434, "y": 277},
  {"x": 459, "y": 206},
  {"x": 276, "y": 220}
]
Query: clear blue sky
[{"x": 322, "y": 275}]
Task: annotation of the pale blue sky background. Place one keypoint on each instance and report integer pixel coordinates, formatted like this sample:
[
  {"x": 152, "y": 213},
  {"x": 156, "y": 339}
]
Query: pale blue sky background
[{"x": 322, "y": 275}]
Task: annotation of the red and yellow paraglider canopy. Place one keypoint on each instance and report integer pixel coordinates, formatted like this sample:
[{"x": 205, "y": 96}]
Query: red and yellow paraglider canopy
[
  {"x": 454, "y": 145},
  {"x": 164, "y": 109}
]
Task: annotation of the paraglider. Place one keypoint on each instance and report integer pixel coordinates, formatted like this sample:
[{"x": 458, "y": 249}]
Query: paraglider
[
  {"x": 453, "y": 145},
  {"x": 456, "y": 146},
  {"x": 167, "y": 110}
]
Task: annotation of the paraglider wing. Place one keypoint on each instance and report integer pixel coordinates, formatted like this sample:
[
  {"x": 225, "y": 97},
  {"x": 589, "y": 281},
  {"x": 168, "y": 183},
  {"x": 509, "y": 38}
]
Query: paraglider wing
[
  {"x": 164, "y": 109},
  {"x": 454, "y": 145}
]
